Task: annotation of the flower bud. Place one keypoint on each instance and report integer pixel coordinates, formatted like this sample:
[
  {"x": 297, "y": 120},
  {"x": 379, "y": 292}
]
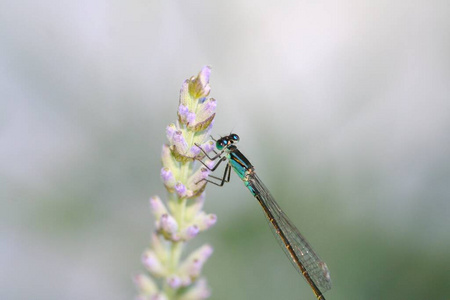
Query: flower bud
[
  {"x": 194, "y": 263},
  {"x": 145, "y": 284},
  {"x": 174, "y": 281},
  {"x": 168, "y": 160},
  {"x": 179, "y": 142},
  {"x": 206, "y": 110},
  {"x": 199, "y": 85},
  {"x": 167, "y": 178},
  {"x": 196, "y": 180},
  {"x": 170, "y": 130},
  {"x": 190, "y": 232},
  {"x": 157, "y": 207},
  {"x": 181, "y": 190},
  {"x": 199, "y": 291},
  {"x": 152, "y": 263},
  {"x": 168, "y": 224}
]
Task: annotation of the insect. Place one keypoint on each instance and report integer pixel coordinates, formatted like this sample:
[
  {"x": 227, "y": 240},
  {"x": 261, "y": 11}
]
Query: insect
[{"x": 303, "y": 257}]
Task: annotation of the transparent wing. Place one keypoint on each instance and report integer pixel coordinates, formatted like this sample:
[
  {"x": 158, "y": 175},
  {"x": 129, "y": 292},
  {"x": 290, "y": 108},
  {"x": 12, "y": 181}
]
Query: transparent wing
[{"x": 316, "y": 268}]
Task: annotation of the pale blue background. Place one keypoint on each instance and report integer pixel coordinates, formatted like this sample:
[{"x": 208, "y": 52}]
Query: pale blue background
[{"x": 343, "y": 107}]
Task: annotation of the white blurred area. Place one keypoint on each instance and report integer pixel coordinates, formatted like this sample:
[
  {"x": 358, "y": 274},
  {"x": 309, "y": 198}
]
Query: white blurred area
[{"x": 349, "y": 96}]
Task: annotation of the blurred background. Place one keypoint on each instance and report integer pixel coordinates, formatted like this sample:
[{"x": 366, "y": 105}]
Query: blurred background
[{"x": 342, "y": 106}]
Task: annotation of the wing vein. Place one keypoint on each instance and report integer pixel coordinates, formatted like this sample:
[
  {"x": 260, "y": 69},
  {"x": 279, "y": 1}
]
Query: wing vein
[{"x": 315, "y": 267}]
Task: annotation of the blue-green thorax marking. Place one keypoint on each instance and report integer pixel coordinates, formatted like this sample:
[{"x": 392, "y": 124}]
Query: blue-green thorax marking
[{"x": 240, "y": 165}]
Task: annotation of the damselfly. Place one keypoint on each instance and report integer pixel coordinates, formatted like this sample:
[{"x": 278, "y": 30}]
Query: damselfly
[{"x": 303, "y": 257}]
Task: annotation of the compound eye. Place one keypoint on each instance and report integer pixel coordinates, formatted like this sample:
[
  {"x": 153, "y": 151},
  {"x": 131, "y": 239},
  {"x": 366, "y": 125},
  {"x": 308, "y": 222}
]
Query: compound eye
[
  {"x": 219, "y": 144},
  {"x": 235, "y": 137}
]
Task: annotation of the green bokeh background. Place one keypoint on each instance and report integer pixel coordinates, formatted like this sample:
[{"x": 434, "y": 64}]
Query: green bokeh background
[{"x": 343, "y": 107}]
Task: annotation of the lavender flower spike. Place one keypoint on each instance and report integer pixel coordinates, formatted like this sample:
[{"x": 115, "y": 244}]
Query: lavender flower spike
[{"x": 181, "y": 218}]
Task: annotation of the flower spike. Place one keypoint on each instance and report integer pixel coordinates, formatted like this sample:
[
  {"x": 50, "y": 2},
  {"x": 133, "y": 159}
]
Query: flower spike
[{"x": 182, "y": 218}]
